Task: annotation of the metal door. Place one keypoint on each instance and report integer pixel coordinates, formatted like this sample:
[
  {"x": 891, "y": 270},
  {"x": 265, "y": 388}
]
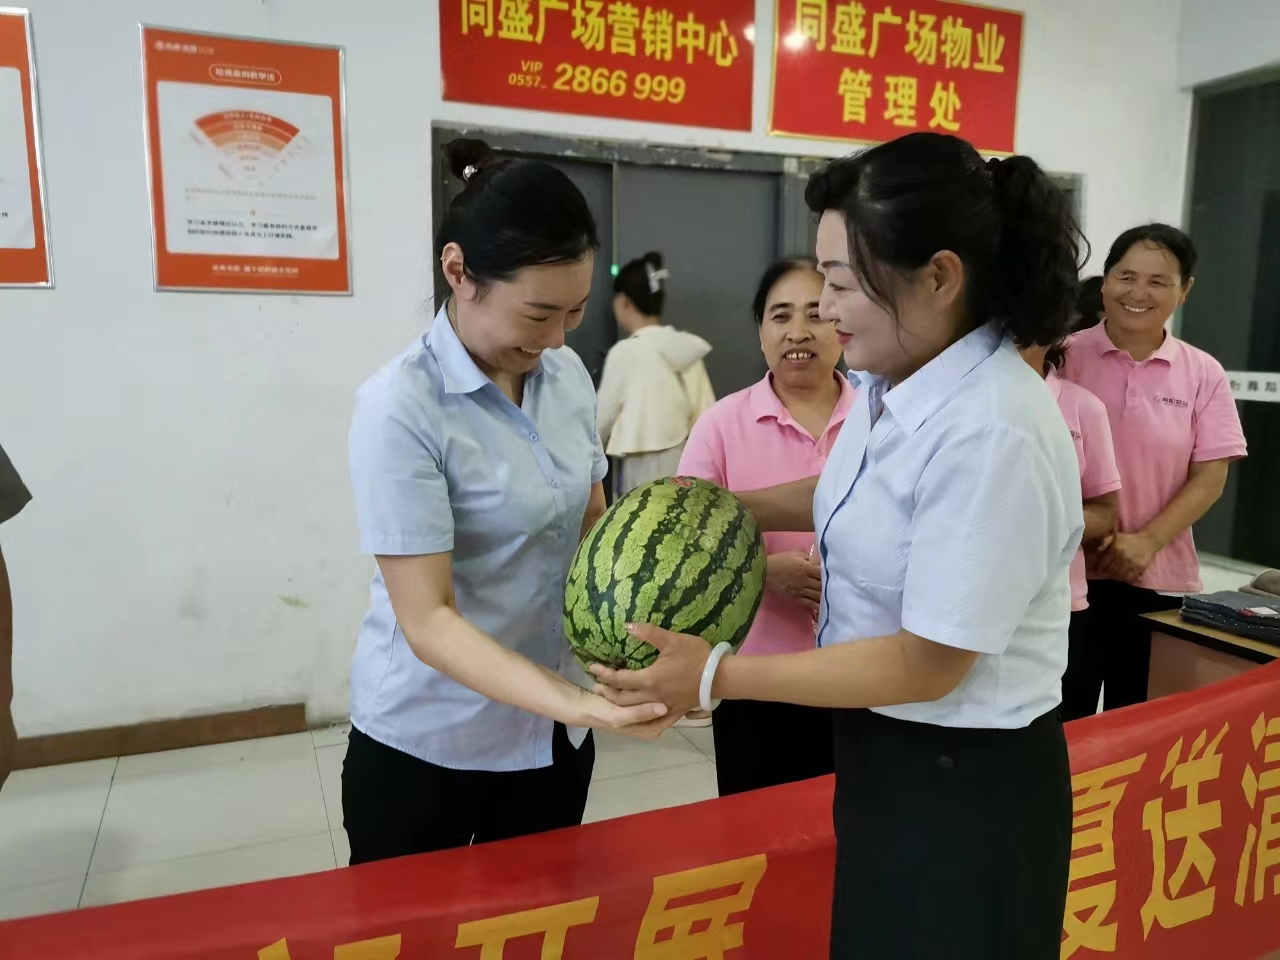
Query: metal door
[{"x": 717, "y": 231}]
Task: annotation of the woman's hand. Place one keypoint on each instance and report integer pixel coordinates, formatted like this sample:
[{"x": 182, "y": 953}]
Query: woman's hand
[
  {"x": 1127, "y": 556},
  {"x": 642, "y": 720},
  {"x": 797, "y": 576},
  {"x": 672, "y": 680}
]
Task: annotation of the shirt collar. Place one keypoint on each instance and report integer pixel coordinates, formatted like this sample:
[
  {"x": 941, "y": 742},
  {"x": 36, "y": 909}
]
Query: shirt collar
[
  {"x": 916, "y": 398},
  {"x": 1096, "y": 338},
  {"x": 763, "y": 402},
  {"x": 459, "y": 369}
]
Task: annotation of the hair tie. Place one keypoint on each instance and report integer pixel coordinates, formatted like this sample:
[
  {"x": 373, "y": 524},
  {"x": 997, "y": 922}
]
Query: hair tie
[
  {"x": 655, "y": 276},
  {"x": 469, "y": 171}
]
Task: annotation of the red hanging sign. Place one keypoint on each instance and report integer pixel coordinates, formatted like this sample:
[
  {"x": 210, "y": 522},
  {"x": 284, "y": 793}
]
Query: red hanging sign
[
  {"x": 674, "y": 61},
  {"x": 24, "y": 229},
  {"x": 874, "y": 71}
]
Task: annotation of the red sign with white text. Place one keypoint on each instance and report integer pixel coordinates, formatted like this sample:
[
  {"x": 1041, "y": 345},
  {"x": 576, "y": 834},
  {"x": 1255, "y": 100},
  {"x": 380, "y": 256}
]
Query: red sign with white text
[
  {"x": 1175, "y": 856},
  {"x": 24, "y": 240},
  {"x": 245, "y": 142},
  {"x": 670, "y": 61},
  {"x": 873, "y": 71}
]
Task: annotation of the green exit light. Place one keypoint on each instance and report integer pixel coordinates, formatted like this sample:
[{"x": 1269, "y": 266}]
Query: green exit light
[{"x": 613, "y": 270}]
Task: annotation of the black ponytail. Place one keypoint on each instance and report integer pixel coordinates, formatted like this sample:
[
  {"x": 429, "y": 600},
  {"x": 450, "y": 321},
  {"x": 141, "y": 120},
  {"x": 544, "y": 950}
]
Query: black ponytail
[
  {"x": 644, "y": 283},
  {"x": 1013, "y": 230},
  {"x": 512, "y": 214}
]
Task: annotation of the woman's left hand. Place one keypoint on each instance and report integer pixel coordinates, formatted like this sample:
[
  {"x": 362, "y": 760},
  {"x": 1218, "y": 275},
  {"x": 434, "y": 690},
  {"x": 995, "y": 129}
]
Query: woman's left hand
[
  {"x": 673, "y": 679},
  {"x": 1128, "y": 556}
]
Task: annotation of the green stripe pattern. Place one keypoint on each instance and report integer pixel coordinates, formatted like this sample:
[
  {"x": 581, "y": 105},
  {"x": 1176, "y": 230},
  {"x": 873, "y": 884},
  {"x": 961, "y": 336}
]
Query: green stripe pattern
[{"x": 681, "y": 553}]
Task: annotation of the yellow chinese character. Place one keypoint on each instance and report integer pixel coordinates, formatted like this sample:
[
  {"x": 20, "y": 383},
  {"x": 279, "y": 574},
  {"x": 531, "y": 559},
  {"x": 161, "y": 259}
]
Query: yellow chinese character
[
  {"x": 945, "y": 102},
  {"x": 716, "y": 935},
  {"x": 957, "y": 42},
  {"x": 811, "y": 21},
  {"x": 515, "y": 19},
  {"x": 1197, "y": 818},
  {"x": 589, "y": 23},
  {"x": 723, "y": 46},
  {"x": 383, "y": 948},
  {"x": 1095, "y": 796},
  {"x": 1267, "y": 834},
  {"x": 553, "y": 923},
  {"x": 624, "y": 21},
  {"x": 990, "y": 50},
  {"x": 900, "y": 101},
  {"x": 855, "y": 88},
  {"x": 849, "y": 32},
  {"x": 658, "y": 33},
  {"x": 922, "y": 38},
  {"x": 477, "y": 13},
  {"x": 884, "y": 16},
  {"x": 690, "y": 36}
]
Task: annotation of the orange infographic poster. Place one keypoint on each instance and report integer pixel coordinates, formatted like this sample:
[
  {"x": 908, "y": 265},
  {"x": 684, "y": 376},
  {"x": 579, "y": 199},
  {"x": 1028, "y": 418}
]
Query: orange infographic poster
[
  {"x": 246, "y": 155},
  {"x": 24, "y": 224}
]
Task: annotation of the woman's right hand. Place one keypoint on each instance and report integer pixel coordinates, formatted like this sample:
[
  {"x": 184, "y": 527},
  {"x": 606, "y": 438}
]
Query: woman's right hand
[
  {"x": 642, "y": 720},
  {"x": 797, "y": 576}
]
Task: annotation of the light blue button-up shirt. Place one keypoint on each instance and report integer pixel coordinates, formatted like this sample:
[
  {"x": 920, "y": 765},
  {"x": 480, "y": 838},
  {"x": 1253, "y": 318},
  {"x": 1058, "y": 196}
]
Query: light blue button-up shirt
[
  {"x": 950, "y": 507},
  {"x": 442, "y": 461}
]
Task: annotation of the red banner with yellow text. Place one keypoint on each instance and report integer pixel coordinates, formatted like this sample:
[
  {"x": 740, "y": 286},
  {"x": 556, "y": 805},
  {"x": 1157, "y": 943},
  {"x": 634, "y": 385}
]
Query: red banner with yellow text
[
  {"x": 872, "y": 71},
  {"x": 1176, "y": 856},
  {"x": 668, "y": 61}
]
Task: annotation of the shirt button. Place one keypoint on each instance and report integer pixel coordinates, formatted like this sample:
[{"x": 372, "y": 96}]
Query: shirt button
[
  {"x": 533, "y": 436},
  {"x": 556, "y": 484}
]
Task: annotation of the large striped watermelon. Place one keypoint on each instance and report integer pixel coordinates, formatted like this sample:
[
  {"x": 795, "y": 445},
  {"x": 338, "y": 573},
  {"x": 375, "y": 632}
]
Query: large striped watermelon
[{"x": 681, "y": 553}]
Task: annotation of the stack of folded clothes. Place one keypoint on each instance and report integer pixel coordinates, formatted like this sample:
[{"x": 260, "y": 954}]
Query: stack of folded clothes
[{"x": 1245, "y": 614}]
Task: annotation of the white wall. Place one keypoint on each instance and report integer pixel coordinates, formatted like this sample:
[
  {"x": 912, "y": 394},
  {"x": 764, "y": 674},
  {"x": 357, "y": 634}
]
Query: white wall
[
  {"x": 187, "y": 452},
  {"x": 1225, "y": 39}
]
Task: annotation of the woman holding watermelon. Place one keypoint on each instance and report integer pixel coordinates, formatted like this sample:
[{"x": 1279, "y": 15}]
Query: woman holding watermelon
[
  {"x": 947, "y": 517},
  {"x": 476, "y": 466}
]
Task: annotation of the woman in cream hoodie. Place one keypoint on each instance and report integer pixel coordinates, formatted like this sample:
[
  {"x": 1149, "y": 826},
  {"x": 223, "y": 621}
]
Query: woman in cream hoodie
[{"x": 654, "y": 385}]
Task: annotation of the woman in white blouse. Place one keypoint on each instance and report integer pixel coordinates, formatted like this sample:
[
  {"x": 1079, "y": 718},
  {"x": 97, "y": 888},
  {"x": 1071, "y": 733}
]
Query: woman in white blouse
[
  {"x": 947, "y": 516},
  {"x": 654, "y": 385}
]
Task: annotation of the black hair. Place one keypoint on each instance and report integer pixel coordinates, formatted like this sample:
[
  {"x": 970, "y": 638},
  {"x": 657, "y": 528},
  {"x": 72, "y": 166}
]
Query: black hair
[
  {"x": 512, "y": 214},
  {"x": 1162, "y": 235},
  {"x": 1011, "y": 227},
  {"x": 1088, "y": 304},
  {"x": 772, "y": 274},
  {"x": 640, "y": 282}
]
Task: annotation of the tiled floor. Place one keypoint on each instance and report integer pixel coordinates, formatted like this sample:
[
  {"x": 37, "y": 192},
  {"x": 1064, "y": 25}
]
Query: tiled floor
[{"x": 113, "y": 830}]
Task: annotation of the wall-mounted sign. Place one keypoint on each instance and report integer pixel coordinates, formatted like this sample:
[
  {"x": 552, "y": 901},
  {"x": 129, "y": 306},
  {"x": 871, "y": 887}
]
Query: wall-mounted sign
[
  {"x": 670, "y": 61},
  {"x": 245, "y": 147},
  {"x": 872, "y": 71},
  {"x": 1251, "y": 385},
  {"x": 24, "y": 221}
]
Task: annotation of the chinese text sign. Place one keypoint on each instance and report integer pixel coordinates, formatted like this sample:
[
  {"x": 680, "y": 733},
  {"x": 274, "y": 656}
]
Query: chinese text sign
[
  {"x": 24, "y": 240},
  {"x": 245, "y": 146},
  {"x": 664, "y": 61},
  {"x": 874, "y": 71}
]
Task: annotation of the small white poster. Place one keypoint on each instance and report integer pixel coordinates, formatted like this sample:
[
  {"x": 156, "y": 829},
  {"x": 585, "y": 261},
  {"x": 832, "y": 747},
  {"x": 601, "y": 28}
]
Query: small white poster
[
  {"x": 17, "y": 219},
  {"x": 248, "y": 172}
]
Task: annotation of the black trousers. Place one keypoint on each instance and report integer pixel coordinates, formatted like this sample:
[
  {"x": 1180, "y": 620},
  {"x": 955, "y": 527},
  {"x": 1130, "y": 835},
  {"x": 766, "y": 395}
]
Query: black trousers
[
  {"x": 950, "y": 843},
  {"x": 766, "y": 744},
  {"x": 1110, "y": 648},
  {"x": 394, "y": 805}
]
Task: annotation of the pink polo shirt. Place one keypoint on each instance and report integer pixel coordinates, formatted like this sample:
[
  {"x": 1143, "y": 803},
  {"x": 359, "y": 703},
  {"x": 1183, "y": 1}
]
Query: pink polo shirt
[
  {"x": 1087, "y": 420},
  {"x": 747, "y": 441},
  {"x": 1171, "y": 410}
]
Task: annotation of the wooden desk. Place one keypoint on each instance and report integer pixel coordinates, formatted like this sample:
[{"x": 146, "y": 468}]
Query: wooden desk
[{"x": 1186, "y": 656}]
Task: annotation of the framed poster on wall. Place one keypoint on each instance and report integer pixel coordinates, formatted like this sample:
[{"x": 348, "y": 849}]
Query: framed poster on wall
[
  {"x": 246, "y": 157},
  {"x": 871, "y": 72},
  {"x": 688, "y": 62},
  {"x": 25, "y": 259}
]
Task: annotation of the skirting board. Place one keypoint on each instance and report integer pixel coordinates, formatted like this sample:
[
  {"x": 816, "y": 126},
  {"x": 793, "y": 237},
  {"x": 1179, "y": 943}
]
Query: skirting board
[{"x": 159, "y": 735}]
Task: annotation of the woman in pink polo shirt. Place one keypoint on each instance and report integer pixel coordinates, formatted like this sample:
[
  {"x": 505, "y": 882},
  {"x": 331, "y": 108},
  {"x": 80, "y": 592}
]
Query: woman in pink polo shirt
[
  {"x": 778, "y": 430},
  {"x": 1086, "y": 418},
  {"x": 1176, "y": 430}
]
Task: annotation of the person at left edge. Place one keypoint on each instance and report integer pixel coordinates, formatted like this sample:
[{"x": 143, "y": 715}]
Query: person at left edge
[
  {"x": 476, "y": 467},
  {"x": 13, "y": 497}
]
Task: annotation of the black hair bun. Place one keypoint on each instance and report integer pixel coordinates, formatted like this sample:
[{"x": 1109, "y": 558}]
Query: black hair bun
[
  {"x": 654, "y": 259},
  {"x": 467, "y": 157}
]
